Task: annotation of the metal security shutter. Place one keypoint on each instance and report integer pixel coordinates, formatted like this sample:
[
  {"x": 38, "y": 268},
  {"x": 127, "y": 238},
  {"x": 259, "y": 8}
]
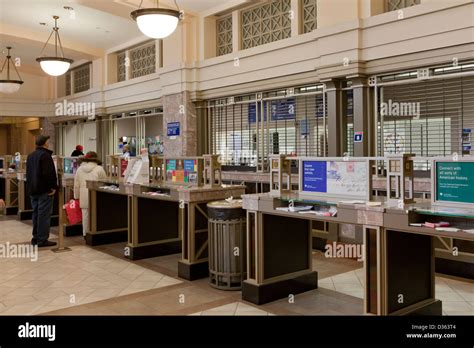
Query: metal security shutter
[
  {"x": 233, "y": 136},
  {"x": 246, "y": 132},
  {"x": 446, "y": 116}
]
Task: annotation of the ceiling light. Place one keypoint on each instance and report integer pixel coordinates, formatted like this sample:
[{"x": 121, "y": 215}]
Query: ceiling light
[
  {"x": 9, "y": 85},
  {"x": 157, "y": 23},
  {"x": 55, "y": 66}
]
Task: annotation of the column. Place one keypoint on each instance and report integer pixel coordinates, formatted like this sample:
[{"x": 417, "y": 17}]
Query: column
[
  {"x": 236, "y": 33},
  {"x": 47, "y": 128},
  {"x": 295, "y": 18},
  {"x": 335, "y": 118},
  {"x": 363, "y": 116},
  {"x": 179, "y": 108}
]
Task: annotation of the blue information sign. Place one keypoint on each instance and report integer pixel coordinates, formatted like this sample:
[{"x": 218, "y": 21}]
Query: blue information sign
[
  {"x": 280, "y": 110},
  {"x": 358, "y": 137},
  {"x": 253, "y": 112},
  {"x": 189, "y": 165},
  {"x": 315, "y": 176},
  {"x": 173, "y": 129}
]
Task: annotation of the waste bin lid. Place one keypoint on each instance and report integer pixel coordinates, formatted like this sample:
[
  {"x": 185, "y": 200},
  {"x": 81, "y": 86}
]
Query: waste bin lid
[{"x": 234, "y": 204}]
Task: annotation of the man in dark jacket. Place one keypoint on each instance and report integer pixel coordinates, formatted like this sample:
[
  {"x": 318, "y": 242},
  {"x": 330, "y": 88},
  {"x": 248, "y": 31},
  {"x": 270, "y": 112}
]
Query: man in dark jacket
[{"x": 42, "y": 183}]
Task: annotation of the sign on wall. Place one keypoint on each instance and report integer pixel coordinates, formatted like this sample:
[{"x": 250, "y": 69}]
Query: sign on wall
[
  {"x": 358, "y": 137},
  {"x": 280, "y": 110},
  {"x": 173, "y": 129}
]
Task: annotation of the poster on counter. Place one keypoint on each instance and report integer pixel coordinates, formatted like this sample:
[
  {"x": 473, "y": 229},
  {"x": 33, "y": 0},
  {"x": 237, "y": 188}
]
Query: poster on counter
[
  {"x": 182, "y": 171},
  {"x": 336, "y": 177},
  {"x": 455, "y": 182}
]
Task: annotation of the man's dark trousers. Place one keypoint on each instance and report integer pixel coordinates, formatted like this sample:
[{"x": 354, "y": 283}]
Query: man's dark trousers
[{"x": 42, "y": 210}]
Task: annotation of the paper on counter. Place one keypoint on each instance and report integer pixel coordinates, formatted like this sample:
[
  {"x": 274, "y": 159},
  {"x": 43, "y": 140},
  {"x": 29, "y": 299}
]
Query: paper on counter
[
  {"x": 448, "y": 229},
  {"x": 295, "y": 209},
  {"x": 374, "y": 204}
]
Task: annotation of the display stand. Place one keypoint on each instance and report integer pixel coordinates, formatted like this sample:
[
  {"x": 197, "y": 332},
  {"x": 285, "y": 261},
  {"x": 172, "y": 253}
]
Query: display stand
[
  {"x": 212, "y": 171},
  {"x": 400, "y": 187},
  {"x": 157, "y": 173},
  {"x": 280, "y": 174}
]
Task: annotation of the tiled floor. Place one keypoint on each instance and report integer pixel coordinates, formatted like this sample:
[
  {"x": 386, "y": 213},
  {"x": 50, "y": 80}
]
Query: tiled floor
[
  {"x": 61, "y": 280},
  {"x": 457, "y": 296},
  {"x": 99, "y": 281}
]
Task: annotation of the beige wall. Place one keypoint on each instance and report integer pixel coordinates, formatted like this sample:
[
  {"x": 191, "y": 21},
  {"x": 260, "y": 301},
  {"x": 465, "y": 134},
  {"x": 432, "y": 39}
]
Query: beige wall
[
  {"x": 3, "y": 139},
  {"x": 431, "y": 33}
]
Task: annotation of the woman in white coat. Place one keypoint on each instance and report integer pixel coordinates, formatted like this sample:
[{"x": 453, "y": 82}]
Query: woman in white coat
[{"x": 89, "y": 170}]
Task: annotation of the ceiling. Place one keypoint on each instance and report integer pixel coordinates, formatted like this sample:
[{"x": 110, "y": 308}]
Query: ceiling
[{"x": 86, "y": 32}]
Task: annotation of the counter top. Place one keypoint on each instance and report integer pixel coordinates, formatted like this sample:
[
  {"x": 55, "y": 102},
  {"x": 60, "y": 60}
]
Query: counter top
[{"x": 386, "y": 216}]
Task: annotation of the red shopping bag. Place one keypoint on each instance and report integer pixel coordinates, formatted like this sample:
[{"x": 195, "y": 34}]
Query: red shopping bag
[{"x": 73, "y": 212}]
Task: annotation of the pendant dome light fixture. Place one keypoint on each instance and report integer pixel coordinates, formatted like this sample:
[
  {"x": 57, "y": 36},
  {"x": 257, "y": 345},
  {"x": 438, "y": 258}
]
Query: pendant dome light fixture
[
  {"x": 9, "y": 85},
  {"x": 157, "y": 23},
  {"x": 54, "y": 66}
]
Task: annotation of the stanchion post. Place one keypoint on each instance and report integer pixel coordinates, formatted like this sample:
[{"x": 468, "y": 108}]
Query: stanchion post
[{"x": 61, "y": 248}]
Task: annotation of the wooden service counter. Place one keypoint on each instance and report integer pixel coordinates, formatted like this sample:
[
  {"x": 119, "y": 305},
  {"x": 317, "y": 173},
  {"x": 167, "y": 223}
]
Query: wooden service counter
[
  {"x": 399, "y": 259},
  {"x": 9, "y": 191},
  {"x": 109, "y": 203},
  {"x": 168, "y": 219}
]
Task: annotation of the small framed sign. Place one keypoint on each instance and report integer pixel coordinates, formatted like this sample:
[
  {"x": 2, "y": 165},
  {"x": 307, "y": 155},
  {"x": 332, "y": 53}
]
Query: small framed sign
[
  {"x": 173, "y": 129},
  {"x": 358, "y": 137}
]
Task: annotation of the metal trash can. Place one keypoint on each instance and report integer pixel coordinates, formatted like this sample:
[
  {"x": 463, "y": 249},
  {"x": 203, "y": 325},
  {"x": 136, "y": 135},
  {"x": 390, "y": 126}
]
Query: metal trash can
[{"x": 227, "y": 244}]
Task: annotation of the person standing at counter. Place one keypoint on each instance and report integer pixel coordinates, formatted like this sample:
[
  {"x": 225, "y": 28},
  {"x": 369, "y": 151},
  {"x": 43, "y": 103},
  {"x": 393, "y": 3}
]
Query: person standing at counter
[
  {"x": 90, "y": 170},
  {"x": 126, "y": 151},
  {"x": 41, "y": 183},
  {"x": 78, "y": 151}
]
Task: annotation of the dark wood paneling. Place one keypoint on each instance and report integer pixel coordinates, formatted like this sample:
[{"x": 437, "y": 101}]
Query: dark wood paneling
[{"x": 286, "y": 245}]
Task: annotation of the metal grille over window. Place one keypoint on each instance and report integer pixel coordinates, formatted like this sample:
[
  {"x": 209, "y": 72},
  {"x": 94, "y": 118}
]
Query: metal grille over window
[
  {"x": 393, "y": 5},
  {"x": 247, "y": 132},
  {"x": 430, "y": 118},
  {"x": 350, "y": 123},
  {"x": 68, "y": 83},
  {"x": 224, "y": 35},
  {"x": 142, "y": 60},
  {"x": 309, "y": 8},
  {"x": 266, "y": 23},
  {"x": 82, "y": 78},
  {"x": 121, "y": 69}
]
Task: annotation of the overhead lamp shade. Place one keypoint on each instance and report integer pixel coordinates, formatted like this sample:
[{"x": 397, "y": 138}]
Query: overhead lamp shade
[
  {"x": 54, "y": 66},
  {"x": 10, "y": 86},
  {"x": 155, "y": 22}
]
